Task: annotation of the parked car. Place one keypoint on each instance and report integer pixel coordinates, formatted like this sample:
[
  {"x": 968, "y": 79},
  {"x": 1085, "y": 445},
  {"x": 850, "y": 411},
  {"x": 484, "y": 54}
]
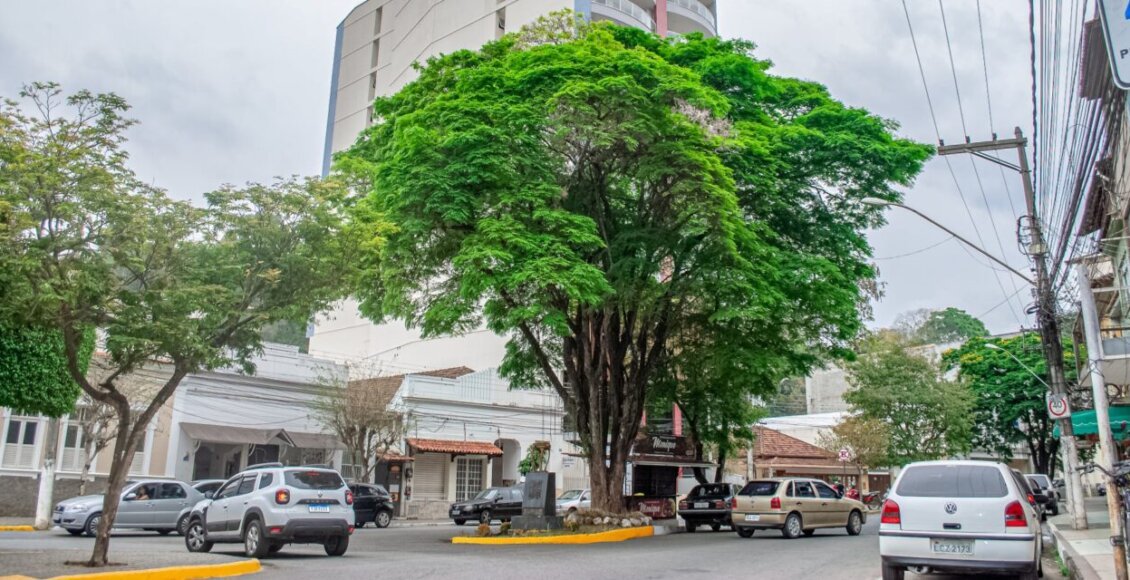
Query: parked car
[
  {"x": 371, "y": 503},
  {"x": 573, "y": 500},
  {"x": 161, "y": 506},
  {"x": 795, "y": 506},
  {"x": 1029, "y": 493},
  {"x": 1040, "y": 482},
  {"x": 207, "y": 487},
  {"x": 268, "y": 506},
  {"x": 492, "y": 503},
  {"x": 708, "y": 504},
  {"x": 960, "y": 516}
]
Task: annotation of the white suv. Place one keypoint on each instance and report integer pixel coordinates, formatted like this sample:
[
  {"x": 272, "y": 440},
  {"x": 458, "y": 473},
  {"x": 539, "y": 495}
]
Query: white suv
[
  {"x": 959, "y": 516},
  {"x": 268, "y": 506}
]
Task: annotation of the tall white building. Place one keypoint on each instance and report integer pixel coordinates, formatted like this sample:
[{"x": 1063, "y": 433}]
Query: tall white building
[{"x": 377, "y": 44}]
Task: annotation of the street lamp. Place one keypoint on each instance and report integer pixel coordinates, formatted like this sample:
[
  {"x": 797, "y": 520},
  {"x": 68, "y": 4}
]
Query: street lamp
[
  {"x": 883, "y": 202},
  {"x": 992, "y": 346}
]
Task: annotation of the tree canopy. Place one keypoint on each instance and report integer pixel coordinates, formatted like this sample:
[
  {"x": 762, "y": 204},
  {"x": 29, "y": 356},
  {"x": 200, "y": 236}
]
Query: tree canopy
[
  {"x": 33, "y": 370},
  {"x": 1010, "y": 385},
  {"x": 627, "y": 209},
  {"x": 928, "y": 417},
  {"x": 925, "y": 326}
]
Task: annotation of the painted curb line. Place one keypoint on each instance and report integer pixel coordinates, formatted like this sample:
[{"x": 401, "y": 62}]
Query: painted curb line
[
  {"x": 174, "y": 572},
  {"x": 597, "y": 538},
  {"x": 17, "y": 529}
]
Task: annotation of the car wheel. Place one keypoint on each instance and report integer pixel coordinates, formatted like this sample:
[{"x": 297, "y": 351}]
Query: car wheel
[
  {"x": 383, "y": 519},
  {"x": 164, "y": 531},
  {"x": 855, "y": 523},
  {"x": 359, "y": 524},
  {"x": 460, "y": 522},
  {"x": 91, "y": 527},
  {"x": 336, "y": 545},
  {"x": 484, "y": 517},
  {"x": 255, "y": 545},
  {"x": 182, "y": 524},
  {"x": 691, "y": 527},
  {"x": 74, "y": 532},
  {"x": 715, "y": 527},
  {"x": 195, "y": 539},
  {"x": 1035, "y": 575},
  {"x": 793, "y": 527},
  {"x": 809, "y": 532},
  {"x": 274, "y": 549},
  {"x": 746, "y": 532},
  {"x": 1055, "y": 509},
  {"x": 893, "y": 572}
]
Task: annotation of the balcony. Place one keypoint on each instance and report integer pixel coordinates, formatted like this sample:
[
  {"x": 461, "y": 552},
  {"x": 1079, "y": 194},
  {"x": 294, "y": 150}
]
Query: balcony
[
  {"x": 685, "y": 16},
  {"x": 623, "y": 12}
]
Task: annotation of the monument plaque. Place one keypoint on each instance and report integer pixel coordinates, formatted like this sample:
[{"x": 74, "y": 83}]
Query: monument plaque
[{"x": 539, "y": 503}]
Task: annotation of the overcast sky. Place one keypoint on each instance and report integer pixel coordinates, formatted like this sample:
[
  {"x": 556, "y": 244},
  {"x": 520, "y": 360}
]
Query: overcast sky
[{"x": 236, "y": 91}]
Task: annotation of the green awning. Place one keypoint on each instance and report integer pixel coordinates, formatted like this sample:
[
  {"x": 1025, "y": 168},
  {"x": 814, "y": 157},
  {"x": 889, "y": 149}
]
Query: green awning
[{"x": 1085, "y": 424}]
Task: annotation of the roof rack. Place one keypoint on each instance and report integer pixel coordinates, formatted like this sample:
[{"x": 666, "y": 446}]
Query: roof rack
[{"x": 264, "y": 465}]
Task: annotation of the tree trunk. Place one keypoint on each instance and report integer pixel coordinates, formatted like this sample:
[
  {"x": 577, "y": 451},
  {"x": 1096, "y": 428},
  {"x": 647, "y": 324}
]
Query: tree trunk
[
  {"x": 720, "y": 472},
  {"x": 126, "y": 442}
]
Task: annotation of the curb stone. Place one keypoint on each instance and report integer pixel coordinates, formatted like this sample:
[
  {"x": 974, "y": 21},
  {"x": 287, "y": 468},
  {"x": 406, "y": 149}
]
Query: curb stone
[
  {"x": 225, "y": 570},
  {"x": 1076, "y": 563}
]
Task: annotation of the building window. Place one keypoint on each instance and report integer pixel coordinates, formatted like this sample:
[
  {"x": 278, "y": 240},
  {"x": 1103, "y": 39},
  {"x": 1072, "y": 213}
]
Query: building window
[
  {"x": 376, "y": 53},
  {"x": 72, "y": 455},
  {"x": 468, "y": 478},
  {"x": 138, "y": 465},
  {"x": 19, "y": 443},
  {"x": 378, "y": 16}
]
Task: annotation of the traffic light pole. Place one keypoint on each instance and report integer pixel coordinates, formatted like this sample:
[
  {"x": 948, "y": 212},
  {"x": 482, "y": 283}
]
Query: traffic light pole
[{"x": 1045, "y": 310}]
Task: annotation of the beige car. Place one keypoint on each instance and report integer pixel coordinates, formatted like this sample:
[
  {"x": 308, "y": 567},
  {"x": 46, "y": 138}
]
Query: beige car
[{"x": 795, "y": 506}]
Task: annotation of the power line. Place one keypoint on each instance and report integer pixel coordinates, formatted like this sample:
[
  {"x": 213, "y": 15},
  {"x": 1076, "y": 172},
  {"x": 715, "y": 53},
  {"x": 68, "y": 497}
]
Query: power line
[{"x": 953, "y": 69}]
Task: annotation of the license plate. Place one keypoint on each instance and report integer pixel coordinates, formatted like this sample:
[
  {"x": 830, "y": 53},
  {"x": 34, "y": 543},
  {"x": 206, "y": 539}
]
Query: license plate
[
  {"x": 752, "y": 518},
  {"x": 700, "y": 505},
  {"x": 320, "y": 508},
  {"x": 945, "y": 546},
  {"x": 454, "y": 512}
]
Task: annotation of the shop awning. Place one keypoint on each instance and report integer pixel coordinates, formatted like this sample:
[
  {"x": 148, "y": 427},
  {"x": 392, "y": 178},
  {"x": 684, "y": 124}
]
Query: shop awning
[
  {"x": 237, "y": 435},
  {"x": 1085, "y": 424},
  {"x": 688, "y": 463},
  {"x": 454, "y": 447},
  {"x": 315, "y": 440}
]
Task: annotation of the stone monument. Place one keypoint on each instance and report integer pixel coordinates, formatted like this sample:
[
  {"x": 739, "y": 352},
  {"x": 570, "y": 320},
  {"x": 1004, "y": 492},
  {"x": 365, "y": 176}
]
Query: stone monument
[{"x": 539, "y": 503}]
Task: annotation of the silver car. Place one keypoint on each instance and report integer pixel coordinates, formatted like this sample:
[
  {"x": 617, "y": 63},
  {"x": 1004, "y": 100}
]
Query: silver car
[
  {"x": 161, "y": 506},
  {"x": 573, "y": 500}
]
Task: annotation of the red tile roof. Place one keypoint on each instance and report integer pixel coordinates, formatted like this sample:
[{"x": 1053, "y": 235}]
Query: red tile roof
[
  {"x": 772, "y": 443},
  {"x": 448, "y": 373},
  {"x": 454, "y": 447}
]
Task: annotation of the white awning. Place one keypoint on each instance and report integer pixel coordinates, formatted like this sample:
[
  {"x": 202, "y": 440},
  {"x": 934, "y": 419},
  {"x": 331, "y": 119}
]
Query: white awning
[
  {"x": 237, "y": 435},
  {"x": 315, "y": 440}
]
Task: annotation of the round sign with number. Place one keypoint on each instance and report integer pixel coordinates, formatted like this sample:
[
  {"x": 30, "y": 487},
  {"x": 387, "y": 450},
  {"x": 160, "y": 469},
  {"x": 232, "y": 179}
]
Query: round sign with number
[{"x": 1058, "y": 407}]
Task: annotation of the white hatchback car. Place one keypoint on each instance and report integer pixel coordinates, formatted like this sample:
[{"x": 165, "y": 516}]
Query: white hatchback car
[{"x": 960, "y": 516}]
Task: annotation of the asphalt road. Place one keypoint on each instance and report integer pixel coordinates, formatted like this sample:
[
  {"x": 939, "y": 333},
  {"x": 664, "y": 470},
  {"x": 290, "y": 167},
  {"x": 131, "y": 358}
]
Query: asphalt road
[{"x": 426, "y": 552}]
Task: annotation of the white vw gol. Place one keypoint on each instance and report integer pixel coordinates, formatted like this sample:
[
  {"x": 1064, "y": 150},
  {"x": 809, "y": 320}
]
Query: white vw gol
[{"x": 960, "y": 516}]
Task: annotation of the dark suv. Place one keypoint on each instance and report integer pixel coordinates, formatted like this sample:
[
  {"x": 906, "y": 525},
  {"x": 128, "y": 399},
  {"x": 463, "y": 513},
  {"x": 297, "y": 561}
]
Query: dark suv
[
  {"x": 708, "y": 504},
  {"x": 371, "y": 503},
  {"x": 492, "y": 503}
]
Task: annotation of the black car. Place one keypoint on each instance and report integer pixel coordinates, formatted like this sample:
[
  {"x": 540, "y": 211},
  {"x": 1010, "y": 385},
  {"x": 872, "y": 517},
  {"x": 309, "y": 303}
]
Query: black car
[
  {"x": 492, "y": 503},
  {"x": 371, "y": 503},
  {"x": 708, "y": 504}
]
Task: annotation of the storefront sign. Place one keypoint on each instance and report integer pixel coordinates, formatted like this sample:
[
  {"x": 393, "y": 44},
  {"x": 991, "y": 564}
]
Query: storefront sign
[
  {"x": 656, "y": 508},
  {"x": 663, "y": 446}
]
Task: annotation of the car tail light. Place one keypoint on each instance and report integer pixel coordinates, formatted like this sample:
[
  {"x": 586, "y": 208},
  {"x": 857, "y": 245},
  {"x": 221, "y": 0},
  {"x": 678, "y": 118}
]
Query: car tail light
[
  {"x": 282, "y": 496},
  {"x": 682, "y": 504},
  {"x": 277, "y": 530},
  {"x": 1031, "y": 499},
  {"x": 891, "y": 513},
  {"x": 351, "y": 530},
  {"x": 348, "y": 497},
  {"x": 734, "y": 503},
  {"x": 775, "y": 503},
  {"x": 1014, "y": 516}
]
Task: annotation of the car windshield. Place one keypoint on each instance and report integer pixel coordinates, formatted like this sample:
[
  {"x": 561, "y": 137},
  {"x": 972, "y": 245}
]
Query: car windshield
[
  {"x": 708, "y": 490},
  {"x": 760, "y": 488},
  {"x": 952, "y": 481},
  {"x": 488, "y": 493},
  {"x": 571, "y": 494},
  {"x": 304, "y": 479}
]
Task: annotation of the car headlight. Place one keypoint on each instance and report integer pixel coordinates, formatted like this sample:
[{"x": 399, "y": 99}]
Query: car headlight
[
  {"x": 468, "y": 508},
  {"x": 78, "y": 507}
]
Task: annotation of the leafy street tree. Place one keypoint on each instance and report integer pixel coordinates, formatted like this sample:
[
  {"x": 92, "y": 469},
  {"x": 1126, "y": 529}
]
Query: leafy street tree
[
  {"x": 1010, "y": 407},
  {"x": 926, "y": 326},
  {"x": 358, "y": 413},
  {"x": 172, "y": 287},
  {"x": 620, "y": 204},
  {"x": 928, "y": 416},
  {"x": 868, "y": 440},
  {"x": 33, "y": 369}
]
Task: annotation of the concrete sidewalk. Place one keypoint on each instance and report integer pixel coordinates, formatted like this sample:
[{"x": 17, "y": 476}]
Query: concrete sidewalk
[{"x": 1087, "y": 553}]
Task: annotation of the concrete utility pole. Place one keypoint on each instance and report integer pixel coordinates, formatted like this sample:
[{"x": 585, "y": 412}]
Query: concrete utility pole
[
  {"x": 1105, "y": 456},
  {"x": 1045, "y": 308}
]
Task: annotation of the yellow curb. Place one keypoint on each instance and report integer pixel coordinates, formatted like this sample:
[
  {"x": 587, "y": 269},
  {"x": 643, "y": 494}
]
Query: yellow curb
[
  {"x": 17, "y": 528},
  {"x": 175, "y": 572},
  {"x": 597, "y": 538}
]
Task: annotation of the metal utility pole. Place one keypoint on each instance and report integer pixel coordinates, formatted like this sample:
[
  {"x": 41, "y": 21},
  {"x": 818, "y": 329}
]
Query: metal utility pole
[
  {"x": 1045, "y": 308},
  {"x": 1105, "y": 456}
]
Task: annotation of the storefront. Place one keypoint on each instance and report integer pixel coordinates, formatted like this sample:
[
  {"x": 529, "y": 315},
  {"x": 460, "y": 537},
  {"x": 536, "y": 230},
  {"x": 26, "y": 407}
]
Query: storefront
[
  {"x": 445, "y": 471},
  {"x": 652, "y": 473}
]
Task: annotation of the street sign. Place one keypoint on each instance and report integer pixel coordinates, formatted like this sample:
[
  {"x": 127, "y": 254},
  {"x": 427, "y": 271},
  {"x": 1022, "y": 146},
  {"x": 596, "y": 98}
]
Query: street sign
[
  {"x": 1116, "y": 28},
  {"x": 1058, "y": 407},
  {"x": 845, "y": 455}
]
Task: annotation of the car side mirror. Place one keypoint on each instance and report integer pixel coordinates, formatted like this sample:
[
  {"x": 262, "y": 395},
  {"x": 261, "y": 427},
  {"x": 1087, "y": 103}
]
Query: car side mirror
[
  {"x": 209, "y": 494},
  {"x": 130, "y": 496},
  {"x": 1041, "y": 498}
]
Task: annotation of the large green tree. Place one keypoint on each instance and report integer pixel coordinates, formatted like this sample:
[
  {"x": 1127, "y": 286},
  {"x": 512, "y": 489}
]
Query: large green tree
[
  {"x": 171, "y": 286},
  {"x": 33, "y": 369},
  {"x": 622, "y": 205},
  {"x": 1010, "y": 383},
  {"x": 951, "y": 324},
  {"x": 927, "y": 416}
]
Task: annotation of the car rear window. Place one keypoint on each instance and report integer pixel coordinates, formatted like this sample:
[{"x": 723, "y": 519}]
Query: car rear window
[
  {"x": 313, "y": 479},
  {"x": 760, "y": 488},
  {"x": 709, "y": 490},
  {"x": 952, "y": 481}
]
